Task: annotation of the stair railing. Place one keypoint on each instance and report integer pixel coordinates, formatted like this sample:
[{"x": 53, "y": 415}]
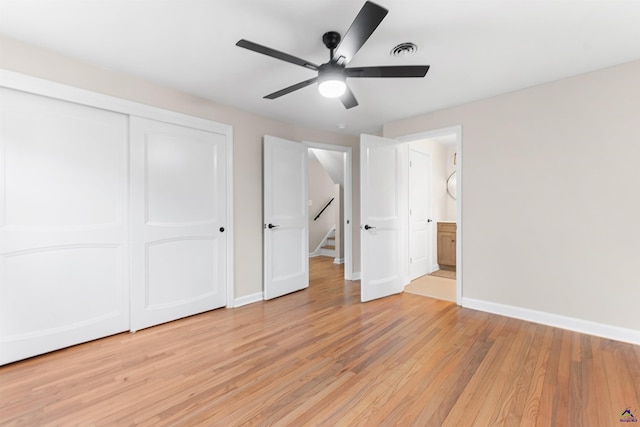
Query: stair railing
[{"x": 325, "y": 207}]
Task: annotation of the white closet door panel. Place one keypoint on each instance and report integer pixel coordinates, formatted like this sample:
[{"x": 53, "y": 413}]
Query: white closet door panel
[
  {"x": 63, "y": 224},
  {"x": 178, "y": 188},
  {"x": 193, "y": 262},
  {"x": 43, "y": 276}
]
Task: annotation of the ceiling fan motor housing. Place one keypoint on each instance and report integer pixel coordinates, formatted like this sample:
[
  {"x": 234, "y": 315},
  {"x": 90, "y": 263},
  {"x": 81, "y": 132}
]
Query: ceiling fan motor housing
[{"x": 331, "y": 39}]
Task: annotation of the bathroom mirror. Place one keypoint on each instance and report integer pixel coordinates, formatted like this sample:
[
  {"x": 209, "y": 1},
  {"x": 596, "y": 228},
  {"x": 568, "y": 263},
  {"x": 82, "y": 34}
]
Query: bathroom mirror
[{"x": 451, "y": 184}]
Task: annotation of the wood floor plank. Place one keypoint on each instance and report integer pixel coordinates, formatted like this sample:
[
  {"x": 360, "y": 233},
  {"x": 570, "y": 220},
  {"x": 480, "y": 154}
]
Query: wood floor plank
[
  {"x": 503, "y": 383},
  {"x": 531, "y": 409},
  {"x": 321, "y": 357}
]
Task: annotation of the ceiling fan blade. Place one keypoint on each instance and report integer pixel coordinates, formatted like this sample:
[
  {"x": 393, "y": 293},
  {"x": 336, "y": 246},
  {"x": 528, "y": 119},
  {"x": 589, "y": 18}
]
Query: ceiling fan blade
[
  {"x": 368, "y": 19},
  {"x": 290, "y": 89},
  {"x": 348, "y": 99},
  {"x": 391, "y": 71},
  {"x": 276, "y": 54}
]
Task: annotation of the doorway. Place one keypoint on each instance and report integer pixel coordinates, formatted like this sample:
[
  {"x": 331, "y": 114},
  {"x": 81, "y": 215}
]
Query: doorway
[
  {"x": 447, "y": 146},
  {"x": 336, "y": 160}
]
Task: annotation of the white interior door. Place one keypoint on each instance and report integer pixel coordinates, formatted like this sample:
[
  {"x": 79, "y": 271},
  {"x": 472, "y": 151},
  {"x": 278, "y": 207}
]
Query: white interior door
[
  {"x": 420, "y": 223},
  {"x": 382, "y": 217},
  {"x": 286, "y": 224},
  {"x": 63, "y": 224},
  {"x": 178, "y": 196}
]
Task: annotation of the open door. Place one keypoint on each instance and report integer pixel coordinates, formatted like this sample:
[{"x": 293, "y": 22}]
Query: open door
[
  {"x": 382, "y": 217},
  {"x": 420, "y": 223},
  {"x": 286, "y": 225}
]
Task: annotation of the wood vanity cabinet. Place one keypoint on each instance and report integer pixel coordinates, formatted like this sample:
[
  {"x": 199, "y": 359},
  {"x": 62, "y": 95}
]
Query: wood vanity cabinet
[{"x": 447, "y": 245}]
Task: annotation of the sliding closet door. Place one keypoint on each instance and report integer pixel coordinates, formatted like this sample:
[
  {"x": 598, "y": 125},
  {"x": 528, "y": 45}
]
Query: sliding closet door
[
  {"x": 63, "y": 224},
  {"x": 178, "y": 196}
]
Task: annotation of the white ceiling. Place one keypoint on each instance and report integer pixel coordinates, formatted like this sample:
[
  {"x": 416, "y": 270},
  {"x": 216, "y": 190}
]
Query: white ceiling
[{"x": 476, "y": 49}]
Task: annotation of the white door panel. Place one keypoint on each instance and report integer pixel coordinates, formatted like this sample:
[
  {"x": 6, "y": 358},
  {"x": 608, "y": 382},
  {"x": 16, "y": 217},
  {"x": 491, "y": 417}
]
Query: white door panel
[
  {"x": 286, "y": 234},
  {"x": 420, "y": 225},
  {"x": 382, "y": 214},
  {"x": 178, "y": 188},
  {"x": 63, "y": 224}
]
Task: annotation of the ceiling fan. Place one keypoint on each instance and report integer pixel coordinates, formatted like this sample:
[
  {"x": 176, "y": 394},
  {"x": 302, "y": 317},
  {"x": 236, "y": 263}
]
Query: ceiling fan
[{"x": 332, "y": 75}]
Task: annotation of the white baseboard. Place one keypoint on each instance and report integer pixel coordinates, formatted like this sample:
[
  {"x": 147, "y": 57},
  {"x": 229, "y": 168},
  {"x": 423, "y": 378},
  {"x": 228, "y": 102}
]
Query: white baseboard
[
  {"x": 356, "y": 275},
  {"x": 338, "y": 261},
  {"x": 578, "y": 325},
  {"x": 314, "y": 253},
  {"x": 248, "y": 299}
]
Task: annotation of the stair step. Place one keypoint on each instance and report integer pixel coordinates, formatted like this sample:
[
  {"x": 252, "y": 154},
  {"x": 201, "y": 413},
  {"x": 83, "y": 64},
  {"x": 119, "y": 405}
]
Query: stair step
[{"x": 330, "y": 247}]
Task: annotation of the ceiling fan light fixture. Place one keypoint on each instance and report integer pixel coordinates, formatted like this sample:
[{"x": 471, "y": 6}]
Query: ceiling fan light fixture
[
  {"x": 332, "y": 74},
  {"x": 332, "y": 85}
]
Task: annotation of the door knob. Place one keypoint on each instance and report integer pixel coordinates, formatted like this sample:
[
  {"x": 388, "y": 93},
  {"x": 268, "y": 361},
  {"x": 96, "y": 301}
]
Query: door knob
[
  {"x": 222, "y": 229},
  {"x": 429, "y": 220},
  {"x": 272, "y": 226},
  {"x": 368, "y": 227}
]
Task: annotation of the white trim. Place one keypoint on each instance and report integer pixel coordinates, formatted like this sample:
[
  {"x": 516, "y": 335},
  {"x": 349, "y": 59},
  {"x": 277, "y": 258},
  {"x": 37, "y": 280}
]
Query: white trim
[
  {"x": 38, "y": 86},
  {"x": 338, "y": 261},
  {"x": 248, "y": 299},
  {"x": 230, "y": 229},
  {"x": 570, "y": 323},
  {"x": 357, "y": 275},
  {"x": 347, "y": 227},
  {"x": 457, "y": 130}
]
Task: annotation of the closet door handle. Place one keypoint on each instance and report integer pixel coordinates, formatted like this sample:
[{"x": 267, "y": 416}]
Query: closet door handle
[
  {"x": 368, "y": 227},
  {"x": 272, "y": 226}
]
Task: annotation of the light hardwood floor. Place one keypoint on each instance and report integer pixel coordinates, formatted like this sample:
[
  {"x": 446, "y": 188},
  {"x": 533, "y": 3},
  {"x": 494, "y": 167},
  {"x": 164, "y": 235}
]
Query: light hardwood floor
[{"x": 320, "y": 357}]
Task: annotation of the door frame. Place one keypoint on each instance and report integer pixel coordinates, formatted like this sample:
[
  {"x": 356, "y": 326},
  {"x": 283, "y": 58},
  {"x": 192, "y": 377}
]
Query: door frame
[
  {"x": 347, "y": 226},
  {"x": 457, "y": 131}
]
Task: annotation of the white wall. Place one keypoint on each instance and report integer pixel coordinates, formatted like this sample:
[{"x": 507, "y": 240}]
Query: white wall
[
  {"x": 550, "y": 203},
  {"x": 248, "y": 130}
]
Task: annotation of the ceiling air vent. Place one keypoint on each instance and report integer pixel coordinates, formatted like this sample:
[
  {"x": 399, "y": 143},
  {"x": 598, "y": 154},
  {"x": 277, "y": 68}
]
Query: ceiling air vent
[{"x": 404, "y": 49}]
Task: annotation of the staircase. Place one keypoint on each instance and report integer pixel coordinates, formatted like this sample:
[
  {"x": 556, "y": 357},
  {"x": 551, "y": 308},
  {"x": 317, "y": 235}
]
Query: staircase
[{"x": 328, "y": 245}]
